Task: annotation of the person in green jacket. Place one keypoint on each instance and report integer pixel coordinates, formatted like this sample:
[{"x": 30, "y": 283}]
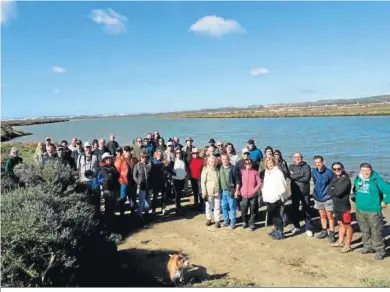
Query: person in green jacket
[
  {"x": 368, "y": 189},
  {"x": 12, "y": 161}
]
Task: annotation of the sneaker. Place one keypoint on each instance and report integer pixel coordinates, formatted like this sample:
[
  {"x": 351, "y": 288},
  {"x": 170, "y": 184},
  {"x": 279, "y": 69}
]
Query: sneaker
[
  {"x": 295, "y": 231},
  {"x": 224, "y": 224},
  {"x": 366, "y": 250},
  {"x": 208, "y": 223},
  {"x": 379, "y": 256},
  {"x": 232, "y": 226},
  {"x": 309, "y": 233},
  {"x": 252, "y": 227},
  {"x": 272, "y": 233},
  {"x": 331, "y": 237},
  {"x": 323, "y": 234},
  {"x": 217, "y": 225},
  {"x": 278, "y": 235},
  {"x": 163, "y": 211},
  {"x": 245, "y": 225}
]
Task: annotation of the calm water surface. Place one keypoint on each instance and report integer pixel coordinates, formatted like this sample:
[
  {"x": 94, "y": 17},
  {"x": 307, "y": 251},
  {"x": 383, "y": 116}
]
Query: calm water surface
[{"x": 351, "y": 140}]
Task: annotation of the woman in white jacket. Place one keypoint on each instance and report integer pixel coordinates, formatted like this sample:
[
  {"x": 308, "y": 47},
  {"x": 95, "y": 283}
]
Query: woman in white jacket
[
  {"x": 274, "y": 194},
  {"x": 179, "y": 175},
  {"x": 211, "y": 191}
]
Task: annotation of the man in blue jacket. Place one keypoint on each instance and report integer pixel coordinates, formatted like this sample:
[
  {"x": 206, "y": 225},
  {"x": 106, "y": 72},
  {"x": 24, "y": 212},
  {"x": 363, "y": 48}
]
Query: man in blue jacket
[
  {"x": 322, "y": 199},
  {"x": 255, "y": 154}
]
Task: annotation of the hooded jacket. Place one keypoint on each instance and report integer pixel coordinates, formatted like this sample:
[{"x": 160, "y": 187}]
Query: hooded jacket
[
  {"x": 274, "y": 186},
  {"x": 321, "y": 180},
  {"x": 340, "y": 189},
  {"x": 300, "y": 176},
  {"x": 367, "y": 193}
]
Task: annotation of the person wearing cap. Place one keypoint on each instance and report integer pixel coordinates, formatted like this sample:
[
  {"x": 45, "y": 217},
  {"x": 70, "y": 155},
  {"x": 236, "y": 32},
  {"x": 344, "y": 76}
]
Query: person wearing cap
[
  {"x": 300, "y": 175},
  {"x": 141, "y": 176},
  {"x": 138, "y": 148},
  {"x": 12, "y": 160},
  {"x": 255, "y": 154},
  {"x": 245, "y": 154},
  {"x": 110, "y": 186},
  {"x": 169, "y": 154},
  {"x": 230, "y": 182},
  {"x": 87, "y": 163},
  {"x": 101, "y": 149},
  {"x": 371, "y": 194},
  {"x": 112, "y": 146},
  {"x": 77, "y": 153},
  {"x": 187, "y": 156},
  {"x": 195, "y": 172},
  {"x": 63, "y": 158},
  {"x": 73, "y": 146},
  {"x": 212, "y": 142},
  {"x": 128, "y": 188}
]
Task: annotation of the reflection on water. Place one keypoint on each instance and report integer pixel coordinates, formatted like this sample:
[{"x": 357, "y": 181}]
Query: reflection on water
[{"x": 351, "y": 140}]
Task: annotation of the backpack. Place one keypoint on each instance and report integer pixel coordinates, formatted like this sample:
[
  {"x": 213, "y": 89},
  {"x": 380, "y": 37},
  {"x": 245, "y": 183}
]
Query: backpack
[{"x": 97, "y": 181}]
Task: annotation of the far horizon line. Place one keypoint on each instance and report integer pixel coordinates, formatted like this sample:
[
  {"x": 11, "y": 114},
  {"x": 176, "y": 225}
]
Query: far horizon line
[{"x": 193, "y": 110}]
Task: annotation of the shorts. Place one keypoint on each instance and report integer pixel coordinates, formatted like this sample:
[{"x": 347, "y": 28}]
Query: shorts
[
  {"x": 327, "y": 205},
  {"x": 344, "y": 217}
]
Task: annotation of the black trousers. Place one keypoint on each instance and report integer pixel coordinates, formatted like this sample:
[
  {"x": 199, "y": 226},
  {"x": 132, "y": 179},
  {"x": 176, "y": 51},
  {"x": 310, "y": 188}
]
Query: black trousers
[
  {"x": 245, "y": 204},
  {"x": 195, "y": 189},
  {"x": 178, "y": 184},
  {"x": 274, "y": 214},
  {"x": 159, "y": 188}
]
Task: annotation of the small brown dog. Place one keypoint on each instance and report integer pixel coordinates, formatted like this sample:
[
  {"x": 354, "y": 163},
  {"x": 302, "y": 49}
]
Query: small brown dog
[{"x": 176, "y": 265}]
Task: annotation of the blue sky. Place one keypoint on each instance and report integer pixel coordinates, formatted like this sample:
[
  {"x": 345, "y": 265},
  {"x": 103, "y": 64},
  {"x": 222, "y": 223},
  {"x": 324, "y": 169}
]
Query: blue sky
[{"x": 61, "y": 58}]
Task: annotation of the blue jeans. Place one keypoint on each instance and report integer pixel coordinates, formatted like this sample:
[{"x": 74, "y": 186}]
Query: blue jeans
[
  {"x": 143, "y": 202},
  {"x": 227, "y": 203}
]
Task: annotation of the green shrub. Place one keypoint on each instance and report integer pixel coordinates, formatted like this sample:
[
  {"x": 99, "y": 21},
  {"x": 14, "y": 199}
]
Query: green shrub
[{"x": 48, "y": 222}]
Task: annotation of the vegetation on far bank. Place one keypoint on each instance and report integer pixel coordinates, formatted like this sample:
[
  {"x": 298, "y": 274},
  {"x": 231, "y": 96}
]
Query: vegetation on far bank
[
  {"x": 339, "y": 111},
  {"x": 9, "y": 133}
]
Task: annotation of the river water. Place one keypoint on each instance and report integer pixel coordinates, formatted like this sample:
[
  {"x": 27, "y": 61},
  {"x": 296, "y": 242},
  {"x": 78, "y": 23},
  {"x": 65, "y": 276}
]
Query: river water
[{"x": 351, "y": 140}]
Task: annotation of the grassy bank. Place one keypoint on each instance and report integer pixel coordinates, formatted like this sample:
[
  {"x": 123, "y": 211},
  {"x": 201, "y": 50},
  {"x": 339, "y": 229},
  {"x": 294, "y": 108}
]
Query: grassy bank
[
  {"x": 26, "y": 151},
  {"x": 340, "y": 111},
  {"x": 9, "y": 133}
]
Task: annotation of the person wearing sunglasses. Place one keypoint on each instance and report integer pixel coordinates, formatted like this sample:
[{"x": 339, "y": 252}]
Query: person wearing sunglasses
[
  {"x": 179, "y": 175},
  {"x": 323, "y": 202},
  {"x": 245, "y": 154},
  {"x": 300, "y": 175},
  {"x": 369, "y": 189},
  {"x": 339, "y": 189}
]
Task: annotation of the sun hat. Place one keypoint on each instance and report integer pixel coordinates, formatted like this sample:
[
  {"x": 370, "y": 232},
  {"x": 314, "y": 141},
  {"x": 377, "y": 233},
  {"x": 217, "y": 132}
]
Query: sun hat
[
  {"x": 245, "y": 150},
  {"x": 106, "y": 155},
  {"x": 87, "y": 144}
]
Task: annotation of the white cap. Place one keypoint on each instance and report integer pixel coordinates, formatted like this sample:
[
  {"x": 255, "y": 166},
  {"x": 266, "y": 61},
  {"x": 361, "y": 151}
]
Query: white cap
[
  {"x": 87, "y": 144},
  {"x": 169, "y": 144},
  {"x": 105, "y": 155},
  {"x": 245, "y": 150},
  {"x": 48, "y": 138}
]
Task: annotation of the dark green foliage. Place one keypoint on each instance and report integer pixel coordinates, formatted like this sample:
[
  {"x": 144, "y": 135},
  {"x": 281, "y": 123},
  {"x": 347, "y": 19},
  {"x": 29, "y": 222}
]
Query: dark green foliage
[{"x": 47, "y": 220}]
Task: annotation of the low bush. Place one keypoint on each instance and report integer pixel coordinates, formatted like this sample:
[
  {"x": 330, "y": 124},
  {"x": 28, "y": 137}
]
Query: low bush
[{"x": 49, "y": 234}]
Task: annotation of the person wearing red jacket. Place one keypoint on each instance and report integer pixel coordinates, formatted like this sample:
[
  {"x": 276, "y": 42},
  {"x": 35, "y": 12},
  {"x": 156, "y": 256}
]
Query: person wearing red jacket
[
  {"x": 125, "y": 165},
  {"x": 195, "y": 169}
]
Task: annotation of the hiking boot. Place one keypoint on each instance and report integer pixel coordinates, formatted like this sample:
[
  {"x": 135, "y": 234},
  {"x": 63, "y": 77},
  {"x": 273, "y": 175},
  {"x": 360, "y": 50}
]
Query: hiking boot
[
  {"x": 331, "y": 237},
  {"x": 309, "y": 233},
  {"x": 366, "y": 250},
  {"x": 272, "y": 233},
  {"x": 217, "y": 225},
  {"x": 323, "y": 234},
  {"x": 224, "y": 224},
  {"x": 252, "y": 228},
  {"x": 278, "y": 235},
  {"x": 379, "y": 256},
  {"x": 295, "y": 231},
  {"x": 245, "y": 225},
  {"x": 208, "y": 223}
]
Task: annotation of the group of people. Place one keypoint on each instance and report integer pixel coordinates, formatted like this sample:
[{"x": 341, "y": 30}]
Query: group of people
[{"x": 155, "y": 172}]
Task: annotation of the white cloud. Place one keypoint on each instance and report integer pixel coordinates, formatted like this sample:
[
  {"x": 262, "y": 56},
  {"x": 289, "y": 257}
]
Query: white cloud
[
  {"x": 113, "y": 22},
  {"x": 57, "y": 69},
  {"x": 56, "y": 91},
  {"x": 8, "y": 10},
  {"x": 216, "y": 26},
  {"x": 259, "y": 71}
]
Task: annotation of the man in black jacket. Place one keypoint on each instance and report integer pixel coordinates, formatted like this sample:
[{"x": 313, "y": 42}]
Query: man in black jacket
[
  {"x": 300, "y": 175},
  {"x": 112, "y": 145}
]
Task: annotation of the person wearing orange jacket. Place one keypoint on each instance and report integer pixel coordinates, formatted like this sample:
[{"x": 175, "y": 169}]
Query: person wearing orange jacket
[{"x": 125, "y": 165}]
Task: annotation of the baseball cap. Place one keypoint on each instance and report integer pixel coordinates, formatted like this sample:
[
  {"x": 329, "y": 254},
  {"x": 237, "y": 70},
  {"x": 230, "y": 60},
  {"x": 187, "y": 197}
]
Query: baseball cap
[
  {"x": 251, "y": 141},
  {"x": 60, "y": 147},
  {"x": 106, "y": 155},
  {"x": 189, "y": 139},
  {"x": 87, "y": 144},
  {"x": 48, "y": 138},
  {"x": 212, "y": 141},
  {"x": 169, "y": 143},
  {"x": 245, "y": 150}
]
